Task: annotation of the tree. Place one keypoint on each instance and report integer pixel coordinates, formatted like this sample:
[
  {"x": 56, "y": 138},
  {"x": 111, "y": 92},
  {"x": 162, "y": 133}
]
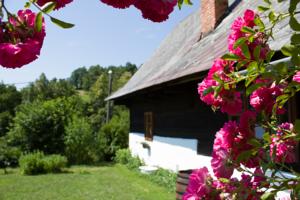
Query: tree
[
  {"x": 43, "y": 89},
  {"x": 41, "y": 125},
  {"x": 77, "y": 77},
  {"x": 114, "y": 134},
  {"x": 80, "y": 142},
  {"x": 10, "y": 98}
]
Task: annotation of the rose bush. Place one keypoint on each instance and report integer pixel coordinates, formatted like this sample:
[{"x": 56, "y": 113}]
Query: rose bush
[{"x": 265, "y": 91}]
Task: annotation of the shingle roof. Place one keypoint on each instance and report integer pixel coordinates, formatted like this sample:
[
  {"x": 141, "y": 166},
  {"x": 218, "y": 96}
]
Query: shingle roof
[{"x": 182, "y": 53}]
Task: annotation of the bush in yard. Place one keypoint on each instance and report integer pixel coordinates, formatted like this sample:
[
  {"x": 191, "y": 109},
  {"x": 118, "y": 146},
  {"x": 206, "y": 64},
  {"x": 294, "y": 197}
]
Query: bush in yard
[
  {"x": 41, "y": 125},
  {"x": 114, "y": 135},
  {"x": 8, "y": 155},
  {"x": 32, "y": 163},
  {"x": 54, "y": 163},
  {"x": 165, "y": 178},
  {"x": 123, "y": 156},
  {"x": 79, "y": 142},
  {"x": 38, "y": 163}
]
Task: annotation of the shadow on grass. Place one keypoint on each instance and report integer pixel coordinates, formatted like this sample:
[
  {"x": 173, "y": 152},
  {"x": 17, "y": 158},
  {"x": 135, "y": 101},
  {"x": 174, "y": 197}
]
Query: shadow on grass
[{"x": 73, "y": 169}]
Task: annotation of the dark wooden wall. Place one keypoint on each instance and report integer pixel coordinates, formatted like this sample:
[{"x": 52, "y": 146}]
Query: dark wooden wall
[{"x": 178, "y": 112}]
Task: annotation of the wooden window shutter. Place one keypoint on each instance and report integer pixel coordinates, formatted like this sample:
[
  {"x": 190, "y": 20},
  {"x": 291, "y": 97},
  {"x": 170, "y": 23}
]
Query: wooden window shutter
[{"x": 148, "y": 123}]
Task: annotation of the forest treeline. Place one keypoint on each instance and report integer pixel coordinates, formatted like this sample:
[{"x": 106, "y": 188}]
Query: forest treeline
[{"x": 64, "y": 116}]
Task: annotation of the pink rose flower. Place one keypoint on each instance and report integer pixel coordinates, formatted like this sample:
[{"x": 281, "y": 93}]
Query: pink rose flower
[
  {"x": 226, "y": 135},
  {"x": 296, "y": 77},
  {"x": 121, "y": 4},
  {"x": 209, "y": 98},
  {"x": 220, "y": 163},
  {"x": 221, "y": 68},
  {"x": 156, "y": 10},
  {"x": 236, "y": 33},
  {"x": 59, "y": 3},
  {"x": 264, "y": 98},
  {"x": 229, "y": 101},
  {"x": 21, "y": 45},
  {"x": 285, "y": 147},
  {"x": 198, "y": 187},
  {"x": 247, "y": 124}
]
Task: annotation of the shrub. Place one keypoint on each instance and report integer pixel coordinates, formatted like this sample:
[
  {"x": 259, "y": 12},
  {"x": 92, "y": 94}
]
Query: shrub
[
  {"x": 123, "y": 156},
  {"x": 54, "y": 163},
  {"x": 41, "y": 125},
  {"x": 8, "y": 155},
  {"x": 114, "y": 134},
  {"x": 165, "y": 178},
  {"x": 80, "y": 142},
  {"x": 32, "y": 163},
  {"x": 38, "y": 163}
]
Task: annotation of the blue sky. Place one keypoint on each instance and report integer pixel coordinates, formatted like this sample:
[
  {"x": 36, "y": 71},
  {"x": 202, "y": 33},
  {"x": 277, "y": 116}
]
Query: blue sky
[{"x": 102, "y": 35}]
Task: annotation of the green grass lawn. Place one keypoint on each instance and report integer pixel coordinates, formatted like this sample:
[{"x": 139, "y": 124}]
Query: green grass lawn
[{"x": 111, "y": 182}]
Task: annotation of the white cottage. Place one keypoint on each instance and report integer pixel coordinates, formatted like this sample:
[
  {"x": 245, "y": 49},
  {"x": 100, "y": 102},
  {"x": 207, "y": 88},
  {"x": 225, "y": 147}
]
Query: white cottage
[{"x": 169, "y": 126}]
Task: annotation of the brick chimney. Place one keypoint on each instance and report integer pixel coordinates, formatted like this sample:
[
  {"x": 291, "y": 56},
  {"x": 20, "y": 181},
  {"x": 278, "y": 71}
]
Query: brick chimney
[{"x": 211, "y": 13}]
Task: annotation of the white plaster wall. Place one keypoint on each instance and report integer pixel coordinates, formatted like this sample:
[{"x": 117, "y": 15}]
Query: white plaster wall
[
  {"x": 169, "y": 153},
  {"x": 174, "y": 154}
]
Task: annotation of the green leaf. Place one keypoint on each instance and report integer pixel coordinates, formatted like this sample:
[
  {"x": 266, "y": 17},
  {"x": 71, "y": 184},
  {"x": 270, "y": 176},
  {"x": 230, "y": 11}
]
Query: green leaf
[
  {"x": 245, "y": 50},
  {"x": 188, "y": 2},
  {"x": 256, "y": 52},
  {"x": 179, "y": 4},
  {"x": 297, "y": 126},
  {"x": 288, "y": 50},
  {"x": 252, "y": 88},
  {"x": 239, "y": 42},
  {"x": 281, "y": 68},
  {"x": 61, "y": 24},
  {"x": 268, "y": 2},
  {"x": 247, "y": 29},
  {"x": 293, "y": 5},
  {"x": 259, "y": 23},
  {"x": 272, "y": 16},
  {"x": 252, "y": 67},
  {"x": 266, "y": 137},
  {"x": 267, "y": 196},
  {"x": 270, "y": 56},
  {"x": 244, "y": 156},
  {"x": 217, "y": 78},
  {"x": 295, "y": 58},
  {"x": 250, "y": 80},
  {"x": 48, "y": 7},
  {"x": 217, "y": 91},
  {"x": 254, "y": 142},
  {"x": 230, "y": 56},
  {"x": 207, "y": 91},
  {"x": 241, "y": 64},
  {"x": 295, "y": 39},
  {"x": 283, "y": 97},
  {"x": 263, "y": 8},
  {"x": 294, "y": 24},
  {"x": 39, "y": 22},
  {"x": 224, "y": 180},
  {"x": 27, "y": 5}
]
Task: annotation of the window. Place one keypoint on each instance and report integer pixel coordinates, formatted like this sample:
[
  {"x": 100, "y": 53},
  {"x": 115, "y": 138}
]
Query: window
[{"x": 148, "y": 124}]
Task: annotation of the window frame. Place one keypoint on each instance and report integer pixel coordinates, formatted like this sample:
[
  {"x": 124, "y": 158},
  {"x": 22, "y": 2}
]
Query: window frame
[{"x": 148, "y": 125}]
